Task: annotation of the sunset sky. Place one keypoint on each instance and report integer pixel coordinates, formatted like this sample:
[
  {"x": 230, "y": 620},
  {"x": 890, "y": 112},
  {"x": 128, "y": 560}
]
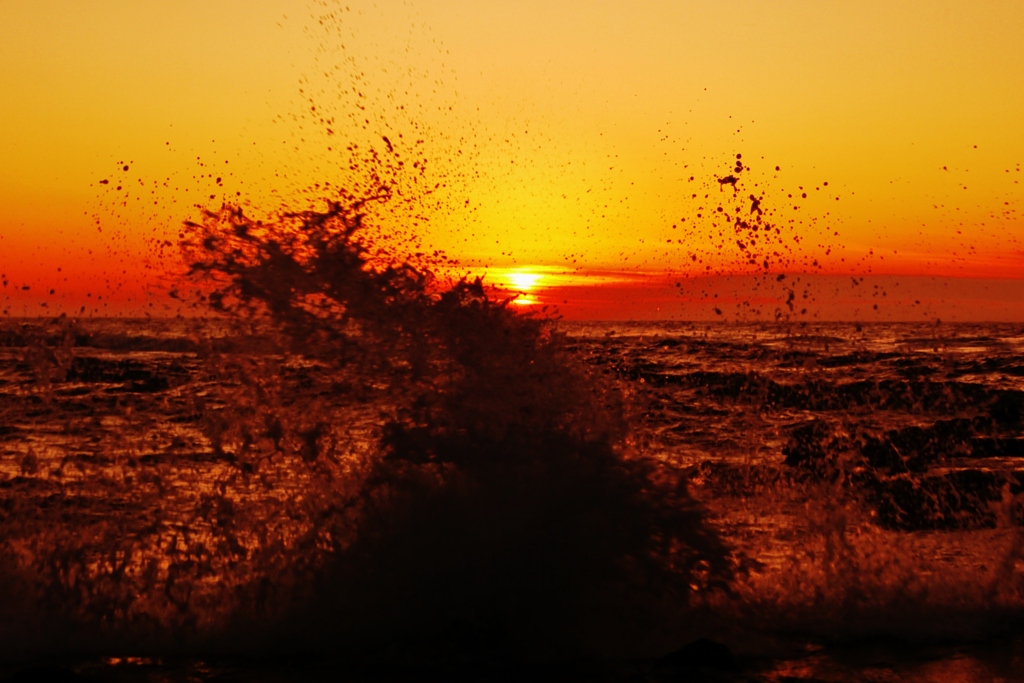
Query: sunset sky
[{"x": 559, "y": 140}]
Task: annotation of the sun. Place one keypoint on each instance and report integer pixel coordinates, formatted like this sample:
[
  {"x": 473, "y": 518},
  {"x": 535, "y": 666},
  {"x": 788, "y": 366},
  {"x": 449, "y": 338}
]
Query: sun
[
  {"x": 524, "y": 284},
  {"x": 523, "y": 281}
]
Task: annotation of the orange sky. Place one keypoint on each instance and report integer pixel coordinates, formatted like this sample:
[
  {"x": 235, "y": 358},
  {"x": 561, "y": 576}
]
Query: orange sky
[{"x": 561, "y": 135}]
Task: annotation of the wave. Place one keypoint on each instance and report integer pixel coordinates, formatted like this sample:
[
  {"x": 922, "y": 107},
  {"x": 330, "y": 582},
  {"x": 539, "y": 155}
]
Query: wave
[
  {"x": 394, "y": 467},
  {"x": 349, "y": 456}
]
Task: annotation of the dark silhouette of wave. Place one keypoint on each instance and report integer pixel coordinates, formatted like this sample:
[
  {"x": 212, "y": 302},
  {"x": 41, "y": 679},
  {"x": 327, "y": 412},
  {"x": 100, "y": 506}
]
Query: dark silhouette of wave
[{"x": 352, "y": 458}]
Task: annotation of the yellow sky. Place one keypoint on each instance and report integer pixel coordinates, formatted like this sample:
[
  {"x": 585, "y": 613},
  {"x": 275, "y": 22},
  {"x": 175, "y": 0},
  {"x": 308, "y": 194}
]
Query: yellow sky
[{"x": 572, "y": 128}]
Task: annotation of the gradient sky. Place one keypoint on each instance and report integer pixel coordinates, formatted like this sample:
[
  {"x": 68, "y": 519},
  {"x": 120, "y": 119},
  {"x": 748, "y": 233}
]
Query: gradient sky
[{"x": 561, "y": 136}]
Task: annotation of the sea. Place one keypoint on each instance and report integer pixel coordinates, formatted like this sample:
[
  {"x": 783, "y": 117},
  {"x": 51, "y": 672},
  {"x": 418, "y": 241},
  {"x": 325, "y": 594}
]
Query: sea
[{"x": 203, "y": 499}]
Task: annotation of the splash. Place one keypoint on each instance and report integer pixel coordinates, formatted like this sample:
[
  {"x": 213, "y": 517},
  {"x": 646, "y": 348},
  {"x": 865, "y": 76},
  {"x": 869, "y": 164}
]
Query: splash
[
  {"x": 356, "y": 457},
  {"x": 502, "y": 491}
]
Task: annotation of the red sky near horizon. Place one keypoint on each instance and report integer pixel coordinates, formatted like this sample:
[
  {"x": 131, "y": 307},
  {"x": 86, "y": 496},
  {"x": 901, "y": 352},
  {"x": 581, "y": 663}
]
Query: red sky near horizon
[{"x": 569, "y": 151}]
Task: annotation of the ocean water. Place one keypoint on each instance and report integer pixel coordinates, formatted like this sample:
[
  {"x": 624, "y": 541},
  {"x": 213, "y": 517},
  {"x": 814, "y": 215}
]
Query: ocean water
[{"x": 481, "y": 495}]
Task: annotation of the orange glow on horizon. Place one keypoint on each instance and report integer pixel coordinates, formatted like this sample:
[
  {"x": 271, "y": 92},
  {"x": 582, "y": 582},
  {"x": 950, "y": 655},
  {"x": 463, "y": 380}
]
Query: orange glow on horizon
[{"x": 545, "y": 145}]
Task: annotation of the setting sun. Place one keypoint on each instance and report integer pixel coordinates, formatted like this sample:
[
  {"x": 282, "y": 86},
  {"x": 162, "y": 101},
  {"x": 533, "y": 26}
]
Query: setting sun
[
  {"x": 524, "y": 281},
  {"x": 523, "y": 284}
]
